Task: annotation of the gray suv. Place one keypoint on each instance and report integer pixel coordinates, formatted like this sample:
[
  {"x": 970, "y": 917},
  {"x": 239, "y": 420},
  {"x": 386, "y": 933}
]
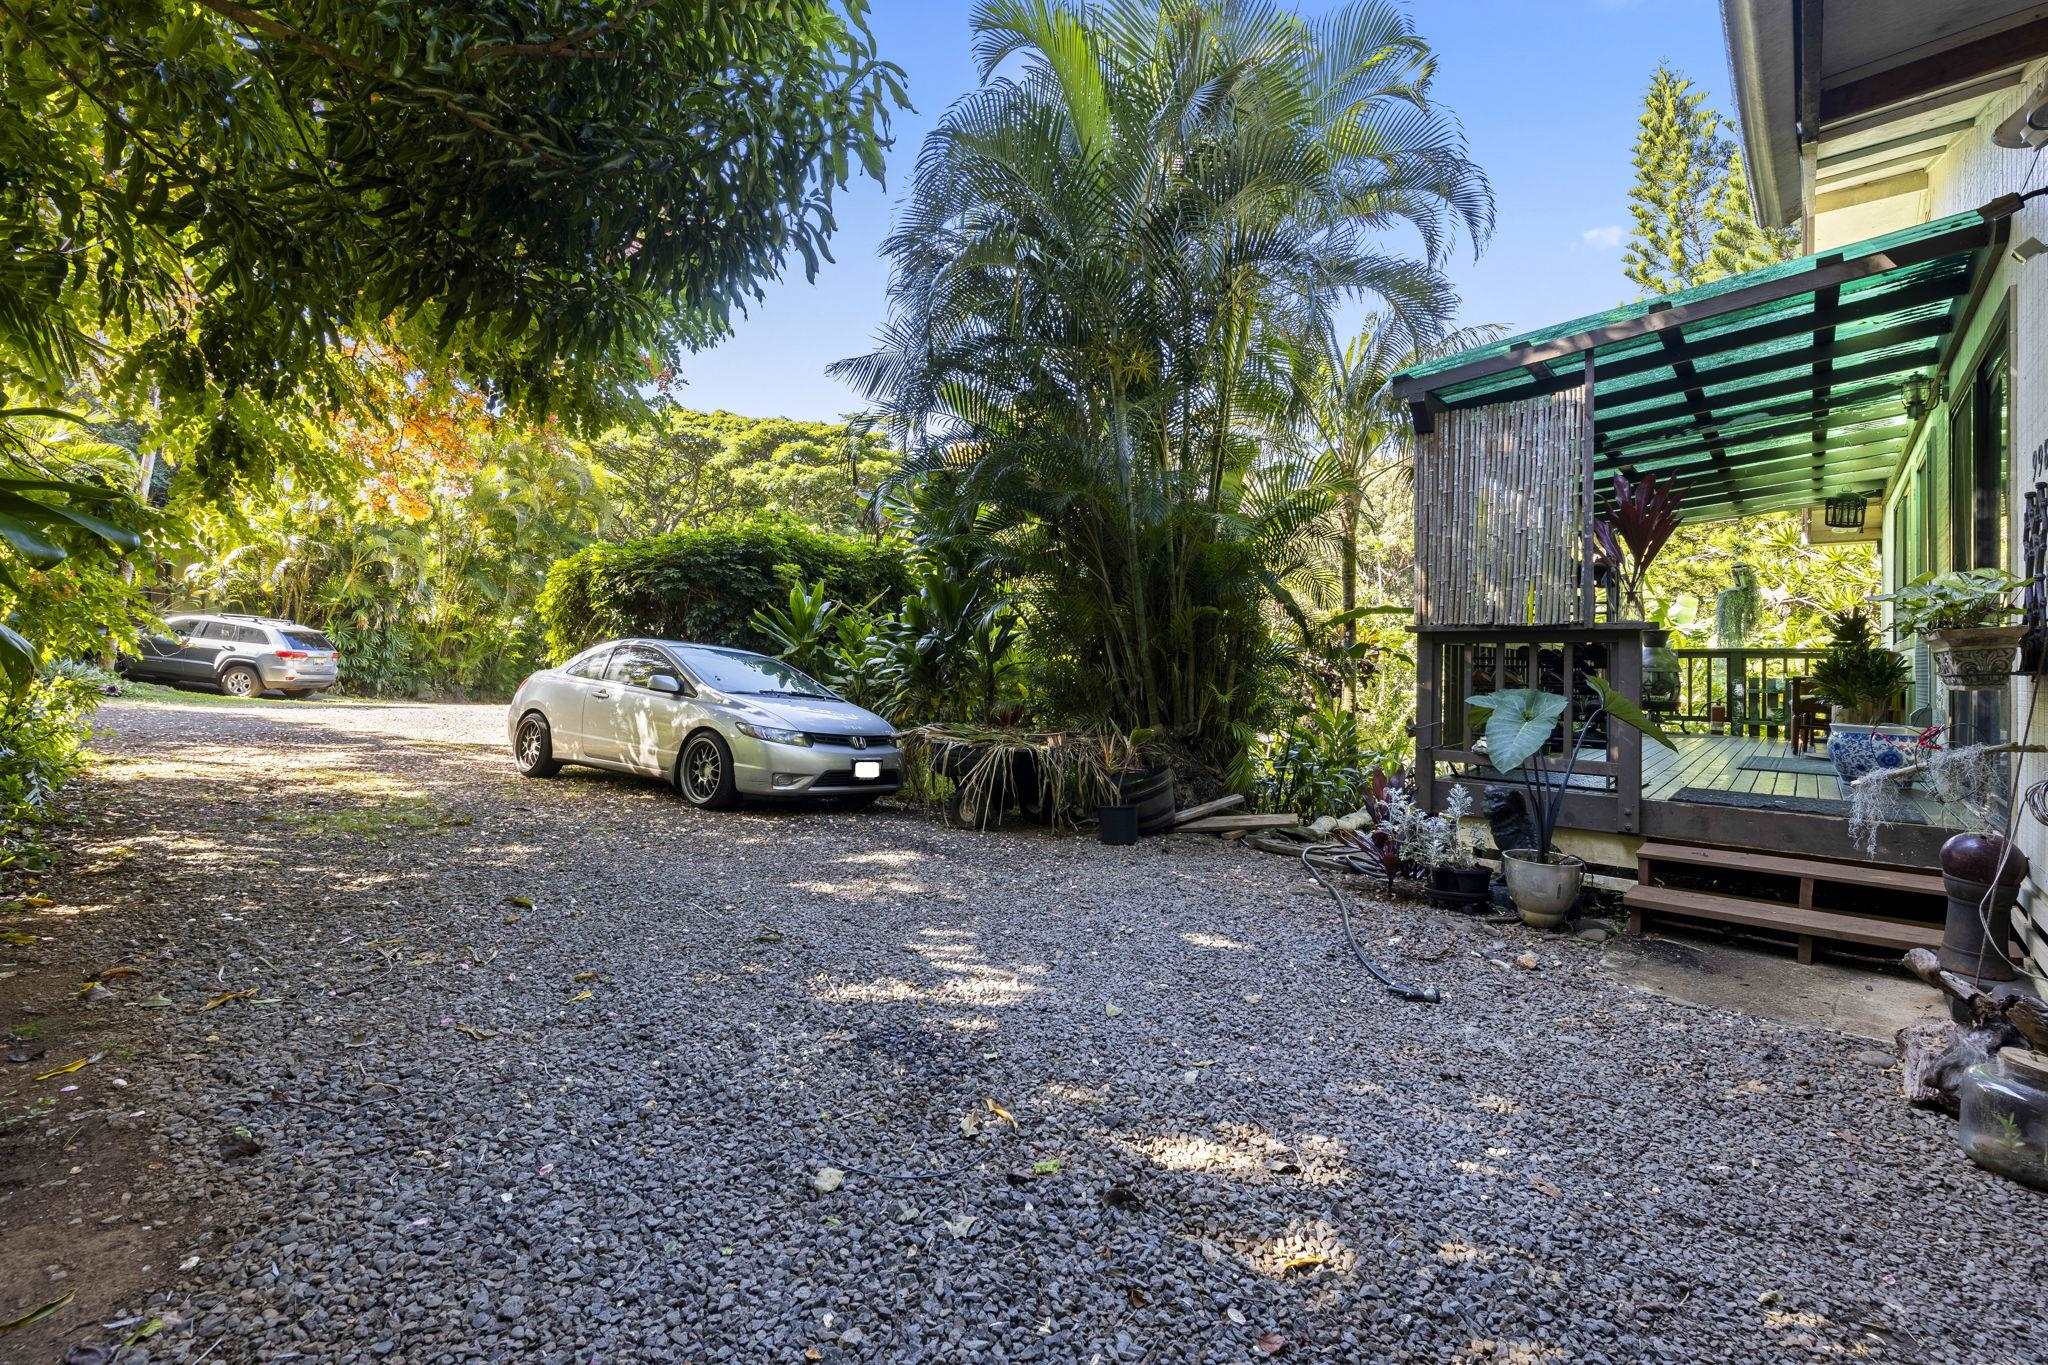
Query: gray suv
[{"x": 244, "y": 656}]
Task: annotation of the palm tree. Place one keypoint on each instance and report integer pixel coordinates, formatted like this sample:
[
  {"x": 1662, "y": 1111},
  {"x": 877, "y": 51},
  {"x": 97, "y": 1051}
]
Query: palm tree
[
  {"x": 1347, "y": 416},
  {"x": 1104, "y": 256}
]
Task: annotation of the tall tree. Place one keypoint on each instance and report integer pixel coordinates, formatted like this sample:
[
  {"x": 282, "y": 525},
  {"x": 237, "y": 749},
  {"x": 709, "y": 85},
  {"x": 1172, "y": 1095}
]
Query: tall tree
[
  {"x": 1349, "y": 419},
  {"x": 1740, "y": 243},
  {"x": 1102, "y": 253},
  {"x": 1681, "y": 158},
  {"x": 555, "y": 199}
]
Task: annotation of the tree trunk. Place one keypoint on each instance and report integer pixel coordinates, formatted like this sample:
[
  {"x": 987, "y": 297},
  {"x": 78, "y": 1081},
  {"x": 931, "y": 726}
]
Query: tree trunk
[{"x": 1350, "y": 596}]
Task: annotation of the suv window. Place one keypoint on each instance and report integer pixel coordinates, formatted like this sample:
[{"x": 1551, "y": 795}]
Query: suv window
[
  {"x": 591, "y": 665},
  {"x": 215, "y": 630},
  {"x": 250, "y": 635},
  {"x": 180, "y": 625},
  {"x": 633, "y": 665},
  {"x": 298, "y": 637}
]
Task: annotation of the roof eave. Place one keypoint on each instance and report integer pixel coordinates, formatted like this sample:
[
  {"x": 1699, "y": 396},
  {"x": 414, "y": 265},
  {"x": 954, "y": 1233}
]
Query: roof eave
[{"x": 1761, "y": 75}]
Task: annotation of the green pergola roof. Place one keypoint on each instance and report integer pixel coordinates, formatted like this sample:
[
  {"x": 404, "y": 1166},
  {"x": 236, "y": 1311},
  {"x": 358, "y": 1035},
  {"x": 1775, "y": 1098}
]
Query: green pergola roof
[{"x": 1755, "y": 393}]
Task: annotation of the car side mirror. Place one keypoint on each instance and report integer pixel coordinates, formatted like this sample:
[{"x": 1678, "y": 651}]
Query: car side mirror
[{"x": 666, "y": 682}]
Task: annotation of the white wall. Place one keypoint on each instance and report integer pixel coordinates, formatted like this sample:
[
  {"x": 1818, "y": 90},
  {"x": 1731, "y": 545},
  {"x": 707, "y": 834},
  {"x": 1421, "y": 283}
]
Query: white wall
[{"x": 1970, "y": 174}]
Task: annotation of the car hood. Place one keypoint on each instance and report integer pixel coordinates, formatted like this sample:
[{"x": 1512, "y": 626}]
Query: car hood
[{"x": 814, "y": 714}]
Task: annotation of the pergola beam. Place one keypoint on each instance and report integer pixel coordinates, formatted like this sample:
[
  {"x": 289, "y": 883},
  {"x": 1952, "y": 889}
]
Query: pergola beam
[
  {"x": 1885, "y": 339},
  {"x": 1702, "y": 411},
  {"x": 1776, "y": 470},
  {"x": 1894, "y": 436},
  {"x": 1789, "y": 422},
  {"x": 1826, "y": 271},
  {"x": 1819, "y": 379}
]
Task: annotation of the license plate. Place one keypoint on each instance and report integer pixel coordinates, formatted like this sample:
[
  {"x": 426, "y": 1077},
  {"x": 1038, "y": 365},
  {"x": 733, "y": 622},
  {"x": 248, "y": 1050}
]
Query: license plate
[{"x": 868, "y": 769}]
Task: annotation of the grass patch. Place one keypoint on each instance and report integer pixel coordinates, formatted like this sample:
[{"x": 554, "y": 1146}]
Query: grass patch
[
  {"x": 135, "y": 690},
  {"x": 380, "y": 821}
]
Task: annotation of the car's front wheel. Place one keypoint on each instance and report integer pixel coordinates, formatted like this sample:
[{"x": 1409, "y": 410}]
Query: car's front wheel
[
  {"x": 240, "y": 680},
  {"x": 704, "y": 772},
  {"x": 533, "y": 747}
]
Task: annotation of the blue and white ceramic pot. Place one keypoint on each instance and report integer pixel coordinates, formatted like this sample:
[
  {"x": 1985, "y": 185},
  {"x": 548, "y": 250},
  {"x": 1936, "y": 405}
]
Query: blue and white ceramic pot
[{"x": 1856, "y": 750}]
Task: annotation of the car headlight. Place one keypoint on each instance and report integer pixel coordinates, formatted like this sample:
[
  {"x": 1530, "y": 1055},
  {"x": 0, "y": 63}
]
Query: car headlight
[{"x": 773, "y": 735}]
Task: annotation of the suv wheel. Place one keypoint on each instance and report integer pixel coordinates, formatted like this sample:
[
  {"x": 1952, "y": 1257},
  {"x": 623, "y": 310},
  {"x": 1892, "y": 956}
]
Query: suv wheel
[
  {"x": 704, "y": 772},
  {"x": 240, "y": 680},
  {"x": 533, "y": 750}
]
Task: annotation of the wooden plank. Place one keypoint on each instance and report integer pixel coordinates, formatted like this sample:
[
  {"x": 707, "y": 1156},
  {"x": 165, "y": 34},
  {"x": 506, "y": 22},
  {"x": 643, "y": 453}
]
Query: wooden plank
[
  {"x": 1844, "y": 874},
  {"x": 1218, "y": 824},
  {"x": 1953, "y": 66},
  {"x": 1789, "y": 919},
  {"x": 1221, "y": 803},
  {"x": 1806, "y": 69}
]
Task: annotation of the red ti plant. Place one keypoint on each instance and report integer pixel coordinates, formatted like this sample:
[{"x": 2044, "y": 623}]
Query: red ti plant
[{"x": 1628, "y": 538}]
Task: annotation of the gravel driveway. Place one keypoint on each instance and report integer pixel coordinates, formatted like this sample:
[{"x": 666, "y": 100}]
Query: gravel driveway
[{"x": 550, "y": 1070}]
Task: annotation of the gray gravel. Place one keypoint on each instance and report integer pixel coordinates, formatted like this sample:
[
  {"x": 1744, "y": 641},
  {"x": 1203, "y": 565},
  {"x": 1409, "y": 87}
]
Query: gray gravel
[{"x": 1088, "y": 1103}]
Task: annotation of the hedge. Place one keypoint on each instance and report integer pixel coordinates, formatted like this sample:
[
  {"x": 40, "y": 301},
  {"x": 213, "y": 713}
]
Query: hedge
[{"x": 705, "y": 584}]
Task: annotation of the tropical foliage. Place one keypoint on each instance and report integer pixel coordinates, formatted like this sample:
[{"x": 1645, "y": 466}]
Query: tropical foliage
[
  {"x": 551, "y": 199},
  {"x": 1105, "y": 254},
  {"x": 682, "y": 468},
  {"x": 707, "y": 584},
  {"x": 259, "y": 255}
]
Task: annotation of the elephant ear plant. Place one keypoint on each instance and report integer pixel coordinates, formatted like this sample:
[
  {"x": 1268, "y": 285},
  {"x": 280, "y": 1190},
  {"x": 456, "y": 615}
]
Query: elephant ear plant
[{"x": 1519, "y": 724}]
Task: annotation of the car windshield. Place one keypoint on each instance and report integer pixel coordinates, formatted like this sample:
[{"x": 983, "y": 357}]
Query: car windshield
[
  {"x": 754, "y": 675},
  {"x": 300, "y": 638}
]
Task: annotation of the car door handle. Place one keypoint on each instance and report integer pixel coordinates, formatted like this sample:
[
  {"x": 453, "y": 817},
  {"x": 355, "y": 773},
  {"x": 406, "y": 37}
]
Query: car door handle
[{"x": 604, "y": 694}]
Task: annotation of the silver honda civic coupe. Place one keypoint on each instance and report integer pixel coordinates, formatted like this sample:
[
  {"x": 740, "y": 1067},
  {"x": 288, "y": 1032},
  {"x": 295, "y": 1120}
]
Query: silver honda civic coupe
[{"x": 718, "y": 723}]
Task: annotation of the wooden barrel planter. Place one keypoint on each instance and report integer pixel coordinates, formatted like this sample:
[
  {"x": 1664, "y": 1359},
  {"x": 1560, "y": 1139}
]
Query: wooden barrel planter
[{"x": 1151, "y": 791}]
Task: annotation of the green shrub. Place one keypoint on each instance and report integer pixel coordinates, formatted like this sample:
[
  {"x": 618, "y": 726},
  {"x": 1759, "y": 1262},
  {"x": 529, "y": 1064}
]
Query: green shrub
[
  {"x": 1322, "y": 763},
  {"x": 706, "y": 584},
  {"x": 43, "y": 730}
]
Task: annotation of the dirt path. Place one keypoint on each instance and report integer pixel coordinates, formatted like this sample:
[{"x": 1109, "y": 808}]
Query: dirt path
[{"x": 498, "y": 1069}]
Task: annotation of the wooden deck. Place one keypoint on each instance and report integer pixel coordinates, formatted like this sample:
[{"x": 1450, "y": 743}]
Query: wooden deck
[{"x": 1715, "y": 762}]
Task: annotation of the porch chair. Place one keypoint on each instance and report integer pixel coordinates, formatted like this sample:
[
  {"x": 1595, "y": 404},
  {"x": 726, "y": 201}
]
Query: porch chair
[{"x": 1809, "y": 716}]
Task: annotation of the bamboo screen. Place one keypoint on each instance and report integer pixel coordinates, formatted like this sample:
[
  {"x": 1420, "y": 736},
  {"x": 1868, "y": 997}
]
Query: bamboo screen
[{"x": 1500, "y": 514}]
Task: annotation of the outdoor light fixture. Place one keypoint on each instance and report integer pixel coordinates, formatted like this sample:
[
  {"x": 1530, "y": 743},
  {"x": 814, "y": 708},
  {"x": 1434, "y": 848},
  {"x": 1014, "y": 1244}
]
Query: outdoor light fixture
[
  {"x": 2028, "y": 124},
  {"x": 1922, "y": 393},
  {"x": 1844, "y": 513}
]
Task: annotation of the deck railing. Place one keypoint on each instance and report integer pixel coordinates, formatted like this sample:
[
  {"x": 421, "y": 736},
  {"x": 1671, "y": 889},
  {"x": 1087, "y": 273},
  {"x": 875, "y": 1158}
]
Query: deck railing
[
  {"x": 1728, "y": 691},
  {"x": 1453, "y": 665}
]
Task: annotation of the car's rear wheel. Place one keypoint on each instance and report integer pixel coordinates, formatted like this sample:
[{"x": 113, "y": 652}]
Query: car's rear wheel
[
  {"x": 240, "y": 680},
  {"x": 704, "y": 772},
  {"x": 533, "y": 747}
]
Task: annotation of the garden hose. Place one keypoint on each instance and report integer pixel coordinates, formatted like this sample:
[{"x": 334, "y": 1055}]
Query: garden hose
[{"x": 1339, "y": 857}]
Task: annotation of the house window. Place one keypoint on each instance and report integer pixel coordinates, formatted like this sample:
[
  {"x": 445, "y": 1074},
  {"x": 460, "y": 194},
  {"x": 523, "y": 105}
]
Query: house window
[{"x": 1980, "y": 452}]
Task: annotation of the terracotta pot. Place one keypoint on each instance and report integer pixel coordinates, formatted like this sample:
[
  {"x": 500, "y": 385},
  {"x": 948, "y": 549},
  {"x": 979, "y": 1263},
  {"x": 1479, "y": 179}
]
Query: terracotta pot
[
  {"x": 1544, "y": 892},
  {"x": 1980, "y": 656}
]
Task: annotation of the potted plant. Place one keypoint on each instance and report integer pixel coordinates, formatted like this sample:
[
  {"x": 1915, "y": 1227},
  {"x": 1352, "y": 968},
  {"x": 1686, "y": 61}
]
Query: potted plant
[
  {"x": 1437, "y": 844},
  {"x": 1543, "y": 882},
  {"x": 1860, "y": 679},
  {"x": 1966, "y": 619},
  {"x": 1628, "y": 539}
]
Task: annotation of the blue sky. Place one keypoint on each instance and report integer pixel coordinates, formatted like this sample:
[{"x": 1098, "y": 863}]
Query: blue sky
[{"x": 1548, "y": 91}]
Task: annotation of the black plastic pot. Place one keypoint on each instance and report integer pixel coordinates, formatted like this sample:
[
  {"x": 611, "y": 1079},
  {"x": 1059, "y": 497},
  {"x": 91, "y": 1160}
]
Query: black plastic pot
[
  {"x": 1116, "y": 825},
  {"x": 1461, "y": 888}
]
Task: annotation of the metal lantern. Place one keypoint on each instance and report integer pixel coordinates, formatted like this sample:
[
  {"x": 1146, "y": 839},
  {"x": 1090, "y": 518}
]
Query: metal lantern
[
  {"x": 1922, "y": 392},
  {"x": 1844, "y": 513}
]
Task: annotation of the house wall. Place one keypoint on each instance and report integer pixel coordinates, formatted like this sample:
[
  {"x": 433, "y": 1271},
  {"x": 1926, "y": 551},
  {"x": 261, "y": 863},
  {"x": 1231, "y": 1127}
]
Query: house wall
[{"x": 1971, "y": 173}]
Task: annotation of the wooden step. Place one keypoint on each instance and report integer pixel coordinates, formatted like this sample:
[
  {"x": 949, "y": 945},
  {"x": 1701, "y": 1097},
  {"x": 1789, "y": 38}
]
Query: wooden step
[
  {"x": 1805, "y": 925},
  {"x": 1780, "y": 865}
]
